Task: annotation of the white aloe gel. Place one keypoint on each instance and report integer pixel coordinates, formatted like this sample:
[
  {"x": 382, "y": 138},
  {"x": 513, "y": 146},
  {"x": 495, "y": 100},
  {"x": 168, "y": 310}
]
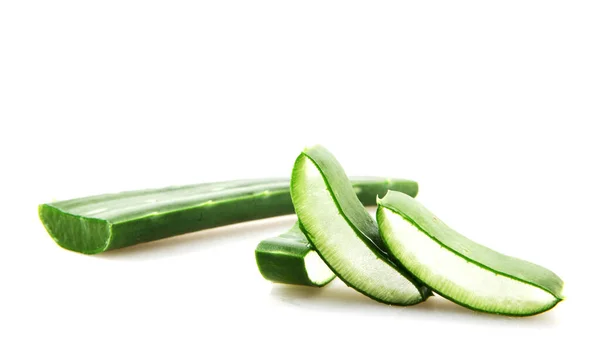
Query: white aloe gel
[{"x": 316, "y": 269}]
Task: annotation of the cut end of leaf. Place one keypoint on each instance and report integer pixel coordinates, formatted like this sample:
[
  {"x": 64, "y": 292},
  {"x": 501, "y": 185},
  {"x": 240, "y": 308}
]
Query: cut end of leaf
[
  {"x": 75, "y": 233},
  {"x": 378, "y": 199},
  {"x": 318, "y": 272}
]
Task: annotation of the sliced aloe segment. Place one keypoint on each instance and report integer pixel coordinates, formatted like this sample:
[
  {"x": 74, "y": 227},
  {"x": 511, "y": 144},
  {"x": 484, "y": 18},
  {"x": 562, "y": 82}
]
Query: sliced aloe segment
[
  {"x": 344, "y": 234},
  {"x": 290, "y": 259},
  {"x": 460, "y": 269}
]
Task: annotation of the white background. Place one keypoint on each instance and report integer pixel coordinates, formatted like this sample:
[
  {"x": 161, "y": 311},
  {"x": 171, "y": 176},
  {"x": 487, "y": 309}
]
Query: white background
[{"x": 491, "y": 107}]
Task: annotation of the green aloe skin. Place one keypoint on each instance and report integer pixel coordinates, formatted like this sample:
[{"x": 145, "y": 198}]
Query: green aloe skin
[
  {"x": 460, "y": 269},
  {"x": 290, "y": 259}
]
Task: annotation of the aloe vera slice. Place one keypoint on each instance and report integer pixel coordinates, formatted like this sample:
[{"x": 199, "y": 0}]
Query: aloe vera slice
[
  {"x": 105, "y": 222},
  {"x": 459, "y": 269},
  {"x": 344, "y": 234},
  {"x": 290, "y": 259}
]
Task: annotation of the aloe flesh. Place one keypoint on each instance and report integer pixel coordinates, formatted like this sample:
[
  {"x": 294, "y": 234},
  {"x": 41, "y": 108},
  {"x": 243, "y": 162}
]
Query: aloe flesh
[
  {"x": 460, "y": 269},
  {"x": 344, "y": 234}
]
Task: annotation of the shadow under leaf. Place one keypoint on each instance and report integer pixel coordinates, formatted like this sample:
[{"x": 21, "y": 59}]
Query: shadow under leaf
[{"x": 337, "y": 296}]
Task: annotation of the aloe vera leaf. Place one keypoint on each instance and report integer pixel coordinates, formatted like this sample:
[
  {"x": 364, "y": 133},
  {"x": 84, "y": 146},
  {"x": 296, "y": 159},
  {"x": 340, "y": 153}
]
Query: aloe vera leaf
[
  {"x": 100, "y": 223},
  {"x": 290, "y": 259},
  {"x": 460, "y": 269},
  {"x": 343, "y": 233}
]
